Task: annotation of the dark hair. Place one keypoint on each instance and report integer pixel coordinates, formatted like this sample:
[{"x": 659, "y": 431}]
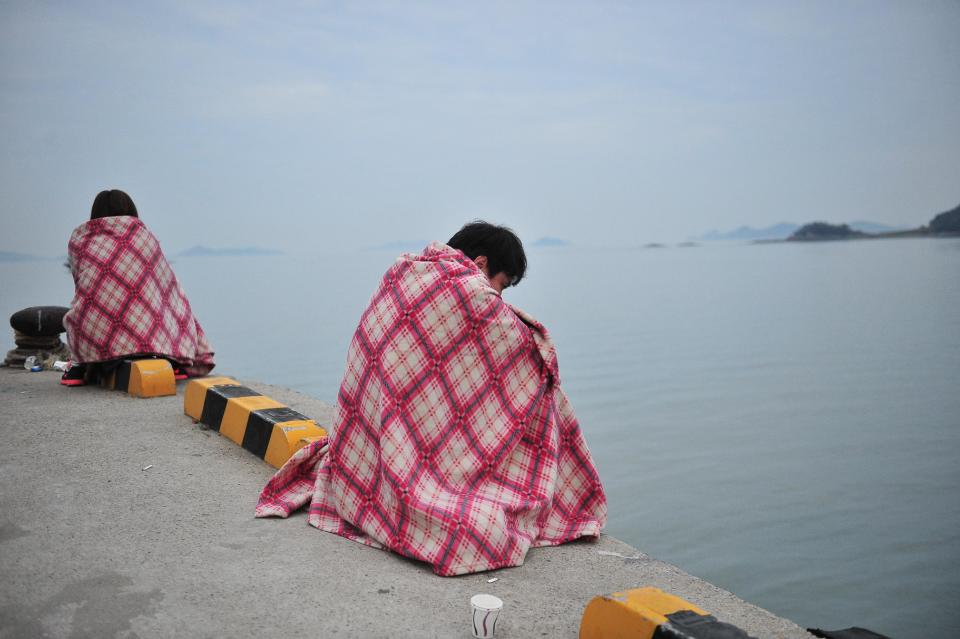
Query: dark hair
[
  {"x": 500, "y": 245},
  {"x": 112, "y": 203}
]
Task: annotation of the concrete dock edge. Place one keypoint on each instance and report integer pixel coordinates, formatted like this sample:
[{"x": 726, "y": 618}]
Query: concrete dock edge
[{"x": 120, "y": 517}]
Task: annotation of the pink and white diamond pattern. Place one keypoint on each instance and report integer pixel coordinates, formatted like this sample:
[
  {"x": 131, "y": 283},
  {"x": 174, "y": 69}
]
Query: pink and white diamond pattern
[
  {"x": 453, "y": 443},
  {"x": 127, "y": 299}
]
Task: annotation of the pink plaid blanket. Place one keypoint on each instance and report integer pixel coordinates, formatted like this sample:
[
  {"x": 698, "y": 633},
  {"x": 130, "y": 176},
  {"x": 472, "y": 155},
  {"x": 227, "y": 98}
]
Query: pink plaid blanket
[
  {"x": 128, "y": 301},
  {"x": 453, "y": 442}
]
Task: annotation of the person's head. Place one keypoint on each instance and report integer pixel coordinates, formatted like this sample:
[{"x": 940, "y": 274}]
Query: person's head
[
  {"x": 495, "y": 249},
  {"x": 112, "y": 203}
]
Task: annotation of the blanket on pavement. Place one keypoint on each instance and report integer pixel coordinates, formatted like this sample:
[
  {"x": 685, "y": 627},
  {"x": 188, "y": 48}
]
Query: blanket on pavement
[
  {"x": 127, "y": 300},
  {"x": 453, "y": 442}
]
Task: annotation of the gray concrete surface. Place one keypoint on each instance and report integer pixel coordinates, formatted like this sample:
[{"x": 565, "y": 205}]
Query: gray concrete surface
[{"x": 93, "y": 545}]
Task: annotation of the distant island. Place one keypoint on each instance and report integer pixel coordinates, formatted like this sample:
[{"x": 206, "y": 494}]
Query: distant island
[
  {"x": 823, "y": 231},
  {"x": 783, "y": 230},
  {"x": 946, "y": 224},
  {"x": 206, "y": 251}
]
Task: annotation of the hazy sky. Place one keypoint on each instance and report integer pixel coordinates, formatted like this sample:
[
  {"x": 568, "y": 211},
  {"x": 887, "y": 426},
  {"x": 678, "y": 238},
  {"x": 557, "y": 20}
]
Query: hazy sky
[{"x": 348, "y": 124}]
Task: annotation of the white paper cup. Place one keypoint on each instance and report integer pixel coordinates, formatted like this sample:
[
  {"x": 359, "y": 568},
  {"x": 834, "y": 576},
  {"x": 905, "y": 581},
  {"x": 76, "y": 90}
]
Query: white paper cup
[{"x": 486, "y": 610}]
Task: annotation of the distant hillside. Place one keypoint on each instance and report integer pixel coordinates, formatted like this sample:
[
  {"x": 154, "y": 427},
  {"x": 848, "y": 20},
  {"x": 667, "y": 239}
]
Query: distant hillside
[
  {"x": 206, "y": 251},
  {"x": 946, "y": 222},
  {"x": 783, "y": 230},
  {"x": 816, "y": 231}
]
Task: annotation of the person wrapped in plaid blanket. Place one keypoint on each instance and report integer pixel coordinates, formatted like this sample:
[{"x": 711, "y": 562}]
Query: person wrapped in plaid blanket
[
  {"x": 453, "y": 442},
  {"x": 127, "y": 301}
]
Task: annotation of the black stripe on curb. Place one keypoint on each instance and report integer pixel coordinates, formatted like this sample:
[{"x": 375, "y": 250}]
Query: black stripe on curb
[
  {"x": 215, "y": 403},
  {"x": 260, "y": 427}
]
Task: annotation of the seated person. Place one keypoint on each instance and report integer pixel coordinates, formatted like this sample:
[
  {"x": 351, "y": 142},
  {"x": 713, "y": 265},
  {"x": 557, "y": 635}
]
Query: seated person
[
  {"x": 128, "y": 302},
  {"x": 452, "y": 442}
]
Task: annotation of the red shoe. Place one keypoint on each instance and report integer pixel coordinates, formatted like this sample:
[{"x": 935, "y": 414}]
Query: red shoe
[{"x": 75, "y": 376}]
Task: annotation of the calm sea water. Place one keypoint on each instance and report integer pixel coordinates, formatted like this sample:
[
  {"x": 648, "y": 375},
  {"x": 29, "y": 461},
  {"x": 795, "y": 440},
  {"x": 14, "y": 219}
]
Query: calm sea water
[{"x": 781, "y": 420}]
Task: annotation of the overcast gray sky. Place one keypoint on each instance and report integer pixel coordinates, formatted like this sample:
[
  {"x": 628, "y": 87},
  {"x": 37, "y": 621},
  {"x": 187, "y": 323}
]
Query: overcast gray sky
[{"x": 350, "y": 124}]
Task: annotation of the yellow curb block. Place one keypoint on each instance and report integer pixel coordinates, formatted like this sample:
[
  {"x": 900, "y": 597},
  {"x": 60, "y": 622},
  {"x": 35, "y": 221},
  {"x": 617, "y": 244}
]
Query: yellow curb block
[
  {"x": 142, "y": 378},
  {"x": 650, "y": 613},
  {"x": 196, "y": 393},
  {"x": 267, "y": 428}
]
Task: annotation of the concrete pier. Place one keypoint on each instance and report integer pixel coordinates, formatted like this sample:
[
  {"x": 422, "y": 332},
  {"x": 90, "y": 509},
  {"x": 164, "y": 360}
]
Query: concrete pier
[{"x": 119, "y": 517}]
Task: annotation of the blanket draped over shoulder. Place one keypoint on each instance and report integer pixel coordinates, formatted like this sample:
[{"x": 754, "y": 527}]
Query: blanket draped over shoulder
[
  {"x": 452, "y": 442},
  {"x": 127, "y": 300}
]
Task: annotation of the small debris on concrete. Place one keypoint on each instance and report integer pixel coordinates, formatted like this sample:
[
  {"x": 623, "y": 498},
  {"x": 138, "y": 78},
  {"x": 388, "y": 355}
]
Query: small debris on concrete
[
  {"x": 147, "y": 467},
  {"x": 610, "y": 553},
  {"x": 493, "y": 579},
  {"x": 383, "y": 591}
]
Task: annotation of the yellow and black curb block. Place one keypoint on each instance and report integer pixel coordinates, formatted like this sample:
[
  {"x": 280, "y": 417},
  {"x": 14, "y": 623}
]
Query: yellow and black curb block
[
  {"x": 142, "y": 378},
  {"x": 267, "y": 428},
  {"x": 650, "y": 613}
]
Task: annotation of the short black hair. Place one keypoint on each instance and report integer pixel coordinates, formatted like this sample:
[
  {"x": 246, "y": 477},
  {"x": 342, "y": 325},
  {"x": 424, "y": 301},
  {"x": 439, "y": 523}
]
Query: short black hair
[
  {"x": 501, "y": 246},
  {"x": 112, "y": 204}
]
